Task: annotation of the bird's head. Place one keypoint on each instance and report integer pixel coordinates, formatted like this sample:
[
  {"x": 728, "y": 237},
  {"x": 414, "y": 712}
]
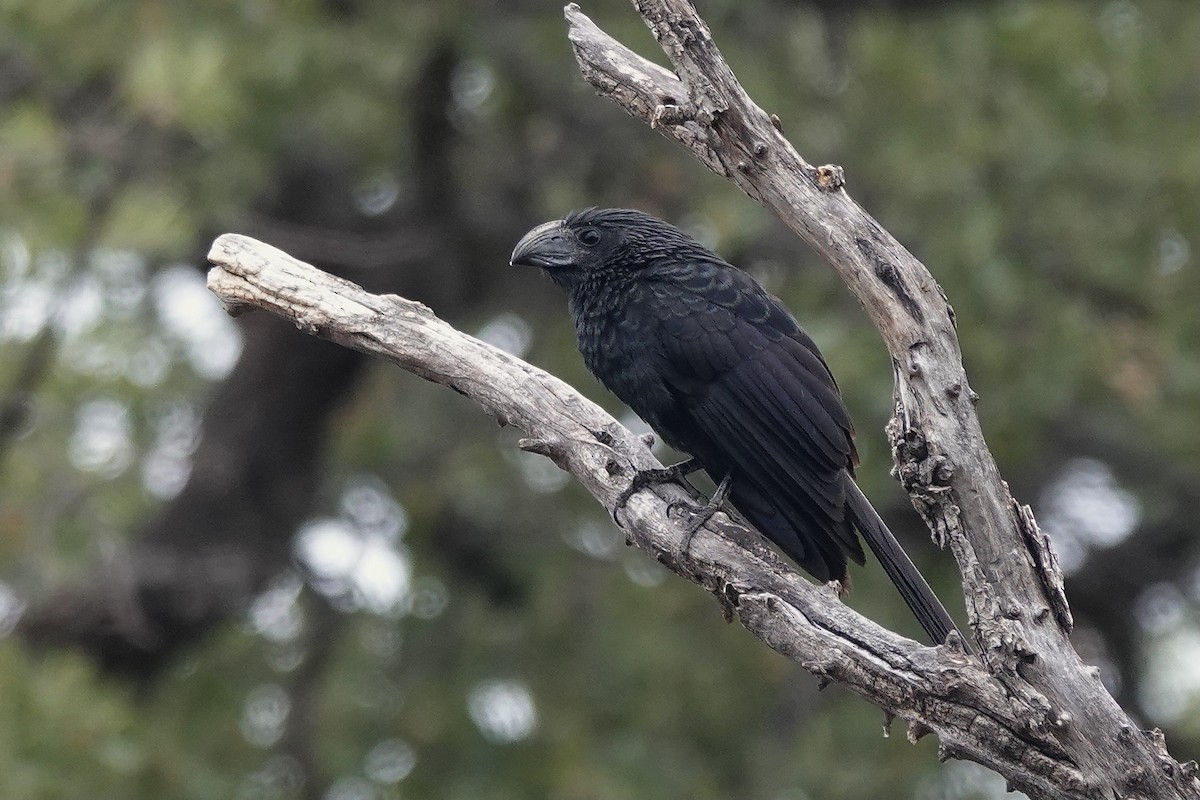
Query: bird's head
[{"x": 598, "y": 240}]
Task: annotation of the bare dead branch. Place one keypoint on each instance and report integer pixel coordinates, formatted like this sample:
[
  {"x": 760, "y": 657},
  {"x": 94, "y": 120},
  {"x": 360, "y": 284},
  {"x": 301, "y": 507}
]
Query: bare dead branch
[
  {"x": 940, "y": 690},
  {"x": 1011, "y": 579}
]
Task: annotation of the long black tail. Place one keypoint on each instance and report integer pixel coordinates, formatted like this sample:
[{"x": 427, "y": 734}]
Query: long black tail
[{"x": 928, "y": 610}]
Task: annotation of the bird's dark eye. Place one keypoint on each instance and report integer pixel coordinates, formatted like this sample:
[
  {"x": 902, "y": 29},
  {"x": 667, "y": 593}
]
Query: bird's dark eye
[{"x": 589, "y": 237}]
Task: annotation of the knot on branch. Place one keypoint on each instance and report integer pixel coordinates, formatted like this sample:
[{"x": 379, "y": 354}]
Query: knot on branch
[
  {"x": 926, "y": 475},
  {"x": 668, "y": 114},
  {"x": 829, "y": 177}
]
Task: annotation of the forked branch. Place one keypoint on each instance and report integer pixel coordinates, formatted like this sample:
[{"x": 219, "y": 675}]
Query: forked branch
[{"x": 1011, "y": 580}]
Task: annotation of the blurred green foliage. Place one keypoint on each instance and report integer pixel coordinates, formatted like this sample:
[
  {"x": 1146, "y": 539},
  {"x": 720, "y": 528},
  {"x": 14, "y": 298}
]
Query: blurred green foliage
[{"x": 1040, "y": 157}]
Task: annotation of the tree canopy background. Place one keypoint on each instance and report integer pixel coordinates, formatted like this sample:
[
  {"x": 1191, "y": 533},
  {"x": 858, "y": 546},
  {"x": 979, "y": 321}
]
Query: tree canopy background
[{"x": 235, "y": 562}]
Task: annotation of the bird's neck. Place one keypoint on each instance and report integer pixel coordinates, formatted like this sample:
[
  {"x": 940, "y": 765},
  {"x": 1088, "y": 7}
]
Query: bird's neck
[
  {"x": 601, "y": 296},
  {"x": 600, "y": 308}
]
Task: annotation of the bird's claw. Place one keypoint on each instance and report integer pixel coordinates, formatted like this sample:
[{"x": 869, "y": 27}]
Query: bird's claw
[
  {"x": 702, "y": 514},
  {"x": 652, "y": 477}
]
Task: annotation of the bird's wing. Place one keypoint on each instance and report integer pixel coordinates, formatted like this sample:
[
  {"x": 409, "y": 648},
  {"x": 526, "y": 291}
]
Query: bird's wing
[{"x": 758, "y": 394}]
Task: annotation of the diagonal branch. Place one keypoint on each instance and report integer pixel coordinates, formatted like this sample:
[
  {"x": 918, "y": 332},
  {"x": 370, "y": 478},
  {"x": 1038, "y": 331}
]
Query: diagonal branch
[{"x": 1011, "y": 580}]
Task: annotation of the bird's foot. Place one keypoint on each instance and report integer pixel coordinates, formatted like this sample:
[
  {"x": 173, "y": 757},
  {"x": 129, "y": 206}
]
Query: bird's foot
[
  {"x": 653, "y": 477},
  {"x": 703, "y": 513}
]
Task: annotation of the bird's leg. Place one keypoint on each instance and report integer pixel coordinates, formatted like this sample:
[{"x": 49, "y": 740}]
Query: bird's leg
[
  {"x": 651, "y": 477},
  {"x": 702, "y": 514}
]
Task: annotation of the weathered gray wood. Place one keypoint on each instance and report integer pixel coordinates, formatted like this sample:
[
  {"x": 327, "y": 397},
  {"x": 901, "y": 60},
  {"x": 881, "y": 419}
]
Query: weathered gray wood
[
  {"x": 940, "y": 690},
  {"x": 1015, "y": 599}
]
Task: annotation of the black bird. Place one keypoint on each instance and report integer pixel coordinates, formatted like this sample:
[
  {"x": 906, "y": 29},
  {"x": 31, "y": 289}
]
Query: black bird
[{"x": 723, "y": 372}]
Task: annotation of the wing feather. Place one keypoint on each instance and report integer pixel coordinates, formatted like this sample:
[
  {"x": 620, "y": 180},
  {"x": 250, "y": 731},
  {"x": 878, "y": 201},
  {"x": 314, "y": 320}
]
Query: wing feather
[{"x": 759, "y": 399}]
